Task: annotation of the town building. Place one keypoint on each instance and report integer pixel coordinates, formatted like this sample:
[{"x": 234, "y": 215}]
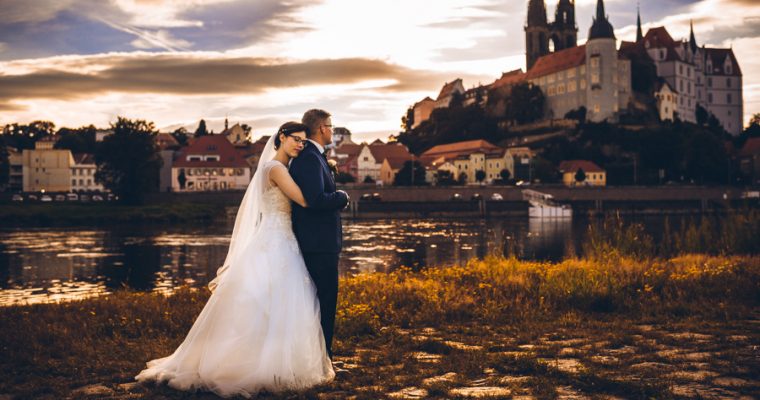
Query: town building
[
  {"x": 83, "y": 174},
  {"x": 699, "y": 76},
  {"x": 464, "y": 159},
  {"x": 46, "y": 168},
  {"x": 210, "y": 163},
  {"x": 16, "y": 170},
  {"x": 594, "y": 175},
  {"x": 424, "y": 108},
  {"x": 749, "y": 160},
  {"x": 236, "y": 134},
  {"x": 168, "y": 147},
  {"x": 667, "y": 101}
]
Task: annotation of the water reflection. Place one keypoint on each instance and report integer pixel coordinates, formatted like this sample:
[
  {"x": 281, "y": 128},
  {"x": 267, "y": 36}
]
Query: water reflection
[{"x": 49, "y": 264}]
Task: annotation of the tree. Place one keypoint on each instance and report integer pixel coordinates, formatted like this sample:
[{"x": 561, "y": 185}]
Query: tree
[
  {"x": 444, "y": 178},
  {"x": 181, "y": 136},
  {"x": 543, "y": 170},
  {"x": 407, "y": 121},
  {"x": 368, "y": 179},
  {"x": 702, "y": 115},
  {"x": 578, "y": 114},
  {"x": 412, "y": 173},
  {"x": 80, "y": 140},
  {"x": 247, "y": 129},
  {"x": 525, "y": 103},
  {"x": 580, "y": 175},
  {"x": 755, "y": 119},
  {"x": 201, "y": 131},
  {"x": 505, "y": 174},
  {"x": 344, "y": 177},
  {"x": 462, "y": 178},
  {"x": 128, "y": 161},
  {"x": 182, "y": 179},
  {"x": 480, "y": 175}
]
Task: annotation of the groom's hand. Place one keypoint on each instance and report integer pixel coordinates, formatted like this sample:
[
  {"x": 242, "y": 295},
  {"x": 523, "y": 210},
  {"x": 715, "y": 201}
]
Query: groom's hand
[{"x": 348, "y": 199}]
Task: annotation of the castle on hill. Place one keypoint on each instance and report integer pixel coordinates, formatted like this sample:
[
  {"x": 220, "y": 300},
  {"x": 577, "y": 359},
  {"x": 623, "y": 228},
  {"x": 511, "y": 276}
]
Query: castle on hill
[{"x": 598, "y": 74}]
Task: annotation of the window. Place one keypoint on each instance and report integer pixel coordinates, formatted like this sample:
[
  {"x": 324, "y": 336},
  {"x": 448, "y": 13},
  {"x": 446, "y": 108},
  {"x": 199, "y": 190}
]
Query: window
[
  {"x": 597, "y": 109},
  {"x": 73, "y": 182},
  {"x": 728, "y": 98},
  {"x": 550, "y": 78},
  {"x": 571, "y": 86},
  {"x": 81, "y": 182},
  {"x": 594, "y": 78},
  {"x": 689, "y": 87},
  {"x": 709, "y": 82},
  {"x": 680, "y": 69},
  {"x": 728, "y": 82},
  {"x": 728, "y": 69},
  {"x": 571, "y": 73},
  {"x": 595, "y": 61},
  {"x": 583, "y": 84},
  {"x": 709, "y": 98},
  {"x": 561, "y": 88}
]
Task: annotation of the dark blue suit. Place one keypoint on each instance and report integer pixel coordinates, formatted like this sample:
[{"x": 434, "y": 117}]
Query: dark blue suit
[{"x": 318, "y": 230}]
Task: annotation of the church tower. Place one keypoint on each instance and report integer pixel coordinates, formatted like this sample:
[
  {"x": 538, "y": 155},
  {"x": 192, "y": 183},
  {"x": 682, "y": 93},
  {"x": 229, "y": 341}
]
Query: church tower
[
  {"x": 536, "y": 33},
  {"x": 602, "y": 66},
  {"x": 564, "y": 31}
]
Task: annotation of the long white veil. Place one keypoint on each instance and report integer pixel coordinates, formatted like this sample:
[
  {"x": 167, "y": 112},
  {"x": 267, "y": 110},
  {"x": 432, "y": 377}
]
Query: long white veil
[{"x": 248, "y": 216}]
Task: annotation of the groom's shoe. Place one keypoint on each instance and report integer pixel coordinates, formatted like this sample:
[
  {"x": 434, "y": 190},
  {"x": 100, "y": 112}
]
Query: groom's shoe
[{"x": 341, "y": 372}]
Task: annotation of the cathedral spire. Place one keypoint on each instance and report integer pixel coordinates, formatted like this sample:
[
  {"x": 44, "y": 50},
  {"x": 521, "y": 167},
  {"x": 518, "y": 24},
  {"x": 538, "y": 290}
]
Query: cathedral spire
[
  {"x": 601, "y": 28},
  {"x": 639, "y": 33},
  {"x": 537, "y": 13},
  {"x": 692, "y": 40}
]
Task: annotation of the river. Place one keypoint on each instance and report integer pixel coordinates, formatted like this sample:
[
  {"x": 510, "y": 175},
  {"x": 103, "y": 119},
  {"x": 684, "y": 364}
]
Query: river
[{"x": 53, "y": 263}]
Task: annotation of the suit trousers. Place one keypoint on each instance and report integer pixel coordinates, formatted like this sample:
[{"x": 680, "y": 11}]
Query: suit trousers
[{"x": 323, "y": 268}]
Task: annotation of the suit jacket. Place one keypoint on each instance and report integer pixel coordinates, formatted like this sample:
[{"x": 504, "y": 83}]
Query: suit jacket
[{"x": 318, "y": 227}]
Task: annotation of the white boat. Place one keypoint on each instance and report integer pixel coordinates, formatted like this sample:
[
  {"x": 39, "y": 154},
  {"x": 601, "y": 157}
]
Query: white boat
[{"x": 543, "y": 205}]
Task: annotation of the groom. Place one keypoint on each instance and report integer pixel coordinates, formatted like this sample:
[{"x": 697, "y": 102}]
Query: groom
[{"x": 318, "y": 228}]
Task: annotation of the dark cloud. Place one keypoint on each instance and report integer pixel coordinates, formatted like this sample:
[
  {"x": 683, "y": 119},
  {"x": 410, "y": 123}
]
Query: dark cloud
[
  {"x": 748, "y": 28},
  {"x": 170, "y": 74}
]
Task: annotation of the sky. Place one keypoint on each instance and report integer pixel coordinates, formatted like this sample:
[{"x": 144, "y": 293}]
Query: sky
[{"x": 264, "y": 62}]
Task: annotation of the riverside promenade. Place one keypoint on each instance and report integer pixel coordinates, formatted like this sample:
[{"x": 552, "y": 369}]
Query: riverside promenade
[{"x": 437, "y": 201}]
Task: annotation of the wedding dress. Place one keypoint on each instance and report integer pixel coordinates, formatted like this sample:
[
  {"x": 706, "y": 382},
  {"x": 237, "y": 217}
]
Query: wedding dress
[{"x": 260, "y": 329}]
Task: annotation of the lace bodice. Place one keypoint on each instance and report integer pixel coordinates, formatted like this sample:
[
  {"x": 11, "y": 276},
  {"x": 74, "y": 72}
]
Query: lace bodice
[{"x": 275, "y": 201}]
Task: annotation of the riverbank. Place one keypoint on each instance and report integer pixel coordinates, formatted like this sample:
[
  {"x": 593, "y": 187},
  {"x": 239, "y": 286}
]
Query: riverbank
[
  {"x": 47, "y": 214},
  {"x": 612, "y": 327}
]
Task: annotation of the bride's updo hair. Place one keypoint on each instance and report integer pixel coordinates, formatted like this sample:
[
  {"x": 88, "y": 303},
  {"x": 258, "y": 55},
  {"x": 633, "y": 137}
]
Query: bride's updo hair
[{"x": 288, "y": 129}]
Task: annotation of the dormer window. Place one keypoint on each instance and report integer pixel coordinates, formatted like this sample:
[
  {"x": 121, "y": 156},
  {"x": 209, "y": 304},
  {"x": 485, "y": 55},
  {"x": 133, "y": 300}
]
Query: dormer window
[
  {"x": 194, "y": 158},
  {"x": 728, "y": 69},
  {"x": 662, "y": 54},
  {"x": 212, "y": 158},
  {"x": 709, "y": 67}
]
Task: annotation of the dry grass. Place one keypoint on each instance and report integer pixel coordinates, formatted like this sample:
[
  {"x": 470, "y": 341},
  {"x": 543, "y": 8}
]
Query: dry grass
[{"x": 475, "y": 317}]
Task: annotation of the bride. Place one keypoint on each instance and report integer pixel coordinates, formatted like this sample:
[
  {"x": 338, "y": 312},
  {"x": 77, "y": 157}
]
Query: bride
[{"x": 260, "y": 329}]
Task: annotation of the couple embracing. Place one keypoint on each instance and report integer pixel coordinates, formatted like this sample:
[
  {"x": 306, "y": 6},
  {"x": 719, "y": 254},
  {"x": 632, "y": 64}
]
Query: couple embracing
[{"x": 268, "y": 324}]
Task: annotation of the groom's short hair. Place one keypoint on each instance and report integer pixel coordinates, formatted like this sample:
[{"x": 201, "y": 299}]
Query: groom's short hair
[{"x": 313, "y": 119}]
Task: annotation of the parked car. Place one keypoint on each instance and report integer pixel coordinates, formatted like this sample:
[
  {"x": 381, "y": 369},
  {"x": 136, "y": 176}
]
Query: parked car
[
  {"x": 456, "y": 196},
  {"x": 497, "y": 197},
  {"x": 112, "y": 197},
  {"x": 84, "y": 198},
  {"x": 46, "y": 198},
  {"x": 60, "y": 197},
  {"x": 97, "y": 197},
  {"x": 72, "y": 197},
  {"x": 376, "y": 197},
  {"x": 32, "y": 197},
  {"x": 17, "y": 197},
  {"x": 476, "y": 196}
]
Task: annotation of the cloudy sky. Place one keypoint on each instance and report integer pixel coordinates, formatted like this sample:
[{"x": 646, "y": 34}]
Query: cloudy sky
[{"x": 263, "y": 62}]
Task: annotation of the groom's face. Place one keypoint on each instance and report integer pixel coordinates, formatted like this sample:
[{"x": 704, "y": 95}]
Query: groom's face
[{"x": 327, "y": 130}]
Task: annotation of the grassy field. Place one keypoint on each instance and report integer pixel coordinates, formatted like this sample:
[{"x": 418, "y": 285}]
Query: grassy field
[
  {"x": 599, "y": 327},
  {"x": 105, "y": 213}
]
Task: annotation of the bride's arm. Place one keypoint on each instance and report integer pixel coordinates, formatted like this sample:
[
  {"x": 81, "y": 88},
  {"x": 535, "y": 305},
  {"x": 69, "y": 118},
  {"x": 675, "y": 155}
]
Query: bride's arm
[{"x": 280, "y": 176}]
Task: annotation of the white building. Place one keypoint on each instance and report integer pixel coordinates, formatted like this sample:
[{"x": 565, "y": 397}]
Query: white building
[
  {"x": 210, "y": 163},
  {"x": 666, "y": 101},
  {"x": 83, "y": 174}
]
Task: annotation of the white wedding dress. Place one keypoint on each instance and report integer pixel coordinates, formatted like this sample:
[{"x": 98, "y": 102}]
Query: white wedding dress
[{"x": 260, "y": 329}]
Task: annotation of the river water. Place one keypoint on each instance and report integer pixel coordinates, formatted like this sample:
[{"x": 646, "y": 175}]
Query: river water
[{"x": 53, "y": 263}]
